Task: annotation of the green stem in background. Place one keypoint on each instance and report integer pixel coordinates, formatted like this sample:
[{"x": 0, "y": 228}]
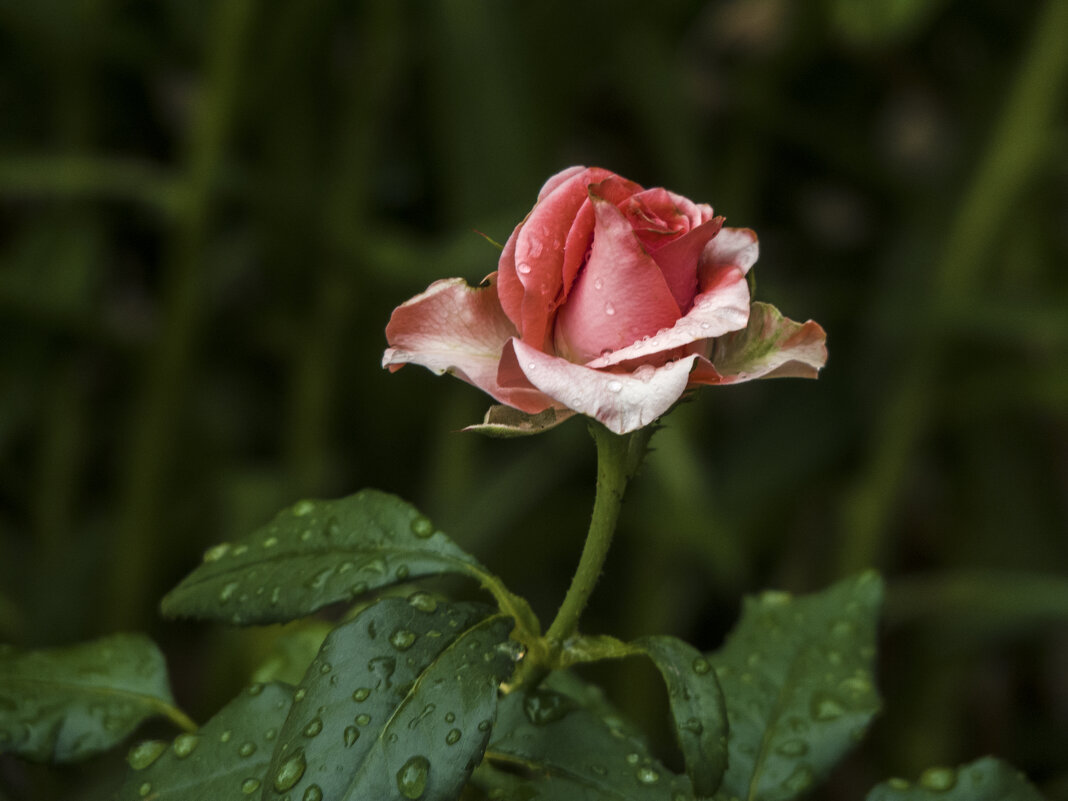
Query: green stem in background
[{"x": 618, "y": 459}]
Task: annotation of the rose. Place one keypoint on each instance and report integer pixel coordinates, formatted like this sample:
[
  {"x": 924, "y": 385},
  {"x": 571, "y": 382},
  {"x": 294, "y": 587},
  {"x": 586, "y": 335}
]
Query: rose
[{"x": 609, "y": 300}]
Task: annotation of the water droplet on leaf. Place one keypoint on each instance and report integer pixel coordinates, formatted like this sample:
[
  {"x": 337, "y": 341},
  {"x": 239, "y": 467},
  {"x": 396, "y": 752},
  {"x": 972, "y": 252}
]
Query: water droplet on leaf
[
  {"x": 412, "y": 777},
  {"x": 701, "y": 666},
  {"x": 825, "y": 707},
  {"x": 315, "y": 725},
  {"x": 402, "y": 639},
  {"x": 939, "y": 779},
  {"x": 422, "y": 527},
  {"x": 185, "y": 744},
  {"x": 144, "y": 754},
  {"x": 313, "y": 793},
  {"x": 647, "y": 776},
  {"x": 302, "y": 508},
  {"x": 361, "y": 694},
  {"x": 363, "y": 719},
  {"x": 227, "y": 592},
  {"x": 423, "y": 601},
  {"x": 352, "y": 734},
  {"x": 216, "y": 552},
  {"x": 249, "y": 786},
  {"x": 290, "y": 771},
  {"x": 453, "y": 737},
  {"x": 247, "y": 749}
]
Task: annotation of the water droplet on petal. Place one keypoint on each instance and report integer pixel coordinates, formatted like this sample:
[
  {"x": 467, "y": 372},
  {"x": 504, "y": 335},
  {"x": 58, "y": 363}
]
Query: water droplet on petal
[
  {"x": 422, "y": 527},
  {"x": 412, "y": 777},
  {"x": 609, "y": 309},
  {"x": 453, "y": 737},
  {"x": 249, "y": 786},
  {"x": 615, "y": 386},
  {"x": 939, "y": 779},
  {"x": 523, "y": 268},
  {"x": 144, "y": 754},
  {"x": 290, "y": 771},
  {"x": 598, "y": 284},
  {"x": 185, "y": 744}
]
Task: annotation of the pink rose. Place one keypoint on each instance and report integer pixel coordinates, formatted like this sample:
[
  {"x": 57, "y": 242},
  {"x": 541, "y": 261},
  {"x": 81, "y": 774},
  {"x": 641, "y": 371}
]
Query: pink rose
[{"x": 609, "y": 300}]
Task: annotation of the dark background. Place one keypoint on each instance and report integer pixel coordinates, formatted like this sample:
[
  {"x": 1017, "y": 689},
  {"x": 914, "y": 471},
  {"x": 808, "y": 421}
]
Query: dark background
[{"x": 208, "y": 211}]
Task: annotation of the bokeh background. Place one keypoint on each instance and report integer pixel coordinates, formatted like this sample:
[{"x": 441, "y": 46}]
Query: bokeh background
[{"x": 209, "y": 209}]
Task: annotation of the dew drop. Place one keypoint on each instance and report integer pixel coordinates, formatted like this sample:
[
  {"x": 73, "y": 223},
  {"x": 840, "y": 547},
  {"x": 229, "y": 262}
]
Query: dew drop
[
  {"x": 240, "y": 549},
  {"x": 449, "y": 717},
  {"x": 423, "y": 601},
  {"x": 249, "y": 786},
  {"x": 453, "y": 737},
  {"x": 325, "y": 668},
  {"x": 615, "y": 386},
  {"x": 484, "y": 725},
  {"x": 422, "y": 527},
  {"x": 290, "y": 771},
  {"x": 313, "y": 793},
  {"x": 227, "y": 592},
  {"x": 402, "y": 639},
  {"x": 216, "y": 552},
  {"x": 701, "y": 666},
  {"x": 401, "y": 572},
  {"x": 315, "y": 725},
  {"x": 302, "y": 508},
  {"x": 382, "y": 667},
  {"x": 299, "y": 694},
  {"x": 225, "y": 736},
  {"x": 144, "y": 789},
  {"x": 609, "y": 309},
  {"x": 825, "y": 707},
  {"x": 412, "y": 777},
  {"x": 792, "y": 748},
  {"x": 598, "y": 284},
  {"x": 361, "y": 694},
  {"x": 185, "y": 744},
  {"x": 247, "y": 749},
  {"x": 363, "y": 719},
  {"x": 270, "y": 734},
  {"x": 352, "y": 734},
  {"x": 270, "y": 542},
  {"x": 545, "y": 706},
  {"x": 523, "y": 268},
  {"x": 694, "y": 726},
  {"x": 647, "y": 776},
  {"x": 939, "y": 779},
  {"x": 144, "y": 754},
  {"x": 633, "y": 759}
]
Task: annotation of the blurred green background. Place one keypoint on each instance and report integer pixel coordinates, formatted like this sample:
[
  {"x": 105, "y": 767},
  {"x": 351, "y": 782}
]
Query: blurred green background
[{"x": 208, "y": 211}]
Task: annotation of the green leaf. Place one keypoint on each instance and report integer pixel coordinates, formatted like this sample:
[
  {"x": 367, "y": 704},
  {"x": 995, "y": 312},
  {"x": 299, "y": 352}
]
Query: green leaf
[
  {"x": 226, "y": 759},
  {"x": 505, "y": 422},
  {"x": 65, "y": 704},
  {"x": 797, "y": 676},
  {"x": 292, "y": 651},
  {"x": 399, "y": 703},
  {"x": 320, "y": 552},
  {"x": 986, "y": 779},
  {"x": 563, "y": 742},
  {"x": 697, "y": 707}
]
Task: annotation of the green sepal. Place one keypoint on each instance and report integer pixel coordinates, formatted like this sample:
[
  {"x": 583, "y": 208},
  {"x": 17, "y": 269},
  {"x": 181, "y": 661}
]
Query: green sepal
[
  {"x": 225, "y": 760},
  {"x": 504, "y": 422},
  {"x": 65, "y": 704},
  {"x": 797, "y": 677},
  {"x": 321, "y": 552},
  {"x": 399, "y": 703},
  {"x": 986, "y": 779}
]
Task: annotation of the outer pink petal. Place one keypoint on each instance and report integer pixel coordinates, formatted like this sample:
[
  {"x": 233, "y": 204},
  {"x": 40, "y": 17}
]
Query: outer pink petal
[
  {"x": 722, "y": 307},
  {"x": 771, "y": 346},
  {"x": 623, "y": 402},
  {"x": 678, "y": 260},
  {"x": 559, "y": 178},
  {"x": 455, "y": 328},
  {"x": 539, "y": 250},
  {"x": 620, "y": 297},
  {"x": 509, "y": 289},
  {"x": 734, "y": 246}
]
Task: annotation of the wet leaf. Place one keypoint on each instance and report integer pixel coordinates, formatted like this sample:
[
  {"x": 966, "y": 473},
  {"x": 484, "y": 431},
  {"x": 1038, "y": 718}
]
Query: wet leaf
[
  {"x": 320, "y": 552},
  {"x": 985, "y": 779},
  {"x": 64, "y": 704},
  {"x": 564, "y": 742},
  {"x": 797, "y": 677},
  {"x": 399, "y": 703},
  {"x": 224, "y": 761}
]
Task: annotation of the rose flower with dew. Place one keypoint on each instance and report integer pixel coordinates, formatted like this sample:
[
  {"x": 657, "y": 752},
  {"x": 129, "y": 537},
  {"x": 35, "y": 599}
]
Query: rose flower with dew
[{"x": 611, "y": 301}]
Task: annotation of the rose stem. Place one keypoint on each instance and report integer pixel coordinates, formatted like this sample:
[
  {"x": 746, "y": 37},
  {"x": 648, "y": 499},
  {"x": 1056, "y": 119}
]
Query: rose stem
[{"x": 618, "y": 459}]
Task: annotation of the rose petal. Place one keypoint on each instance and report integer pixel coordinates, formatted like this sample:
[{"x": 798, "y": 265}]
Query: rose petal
[
  {"x": 509, "y": 289},
  {"x": 770, "y": 346},
  {"x": 679, "y": 258},
  {"x": 623, "y": 402},
  {"x": 722, "y": 307},
  {"x": 735, "y": 246},
  {"x": 559, "y": 178},
  {"x": 618, "y": 298},
  {"x": 539, "y": 251},
  {"x": 456, "y": 328}
]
